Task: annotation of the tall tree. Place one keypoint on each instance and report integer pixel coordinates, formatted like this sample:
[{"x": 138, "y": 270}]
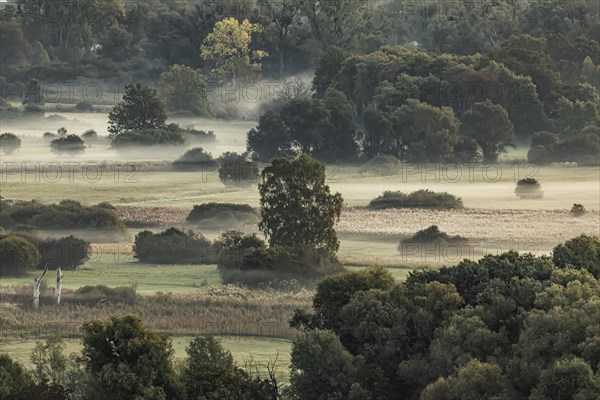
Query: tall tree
[
  {"x": 489, "y": 125},
  {"x": 140, "y": 109},
  {"x": 185, "y": 90},
  {"x": 297, "y": 207}
]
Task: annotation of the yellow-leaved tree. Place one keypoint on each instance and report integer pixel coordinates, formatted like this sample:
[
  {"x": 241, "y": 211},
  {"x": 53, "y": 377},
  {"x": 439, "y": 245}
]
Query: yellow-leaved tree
[{"x": 227, "y": 48}]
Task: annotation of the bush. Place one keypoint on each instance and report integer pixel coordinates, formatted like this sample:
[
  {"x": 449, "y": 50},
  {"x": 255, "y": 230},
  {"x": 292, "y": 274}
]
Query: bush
[
  {"x": 195, "y": 159},
  {"x": 172, "y": 247},
  {"x": 49, "y": 136},
  {"x": 382, "y": 165},
  {"x": 419, "y": 199},
  {"x": 149, "y": 137},
  {"x": 17, "y": 256},
  {"x": 265, "y": 266},
  {"x": 67, "y": 252},
  {"x": 70, "y": 144},
  {"x": 84, "y": 106},
  {"x": 101, "y": 293},
  {"x": 9, "y": 142},
  {"x": 222, "y": 214},
  {"x": 582, "y": 252},
  {"x": 68, "y": 215},
  {"x": 433, "y": 234},
  {"x": 578, "y": 210},
  {"x": 529, "y": 188},
  {"x": 237, "y": 169},
  {"x": 90, "y": 137},
  {"x": 232, "y": 246}
]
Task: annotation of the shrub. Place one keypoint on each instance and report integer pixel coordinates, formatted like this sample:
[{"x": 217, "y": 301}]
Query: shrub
[
  {"x": 222, "y": 214},
  {"x": 84, "y": 106},
  {"x": 578, "y": 210},
  {"x": 71, "y": 144},
  {"x": 236, "y": 168},
  {"x": 148, "y": 137},
  {"x": 382, "y": 165},
  {"x": 581, "y": 252},
  {"x": 49, "y": 136},
  {"x": 9, "y": 142},
  {"x": 17, "y": 256},
  {"x": 529, "y": 188},
  {"x": 195, "y": 159},
  {"x": 172, "y": 247},
  {"x": 90, "y": 137},
  {"x": 67, "y": 252},
  {"x": 419, "y": 199},
  {"x": 100, "y": 293},
  {"x": 232, "y": 246},
  {"x": 433, "y": 234},
  {"x": 68, "y": 215}
]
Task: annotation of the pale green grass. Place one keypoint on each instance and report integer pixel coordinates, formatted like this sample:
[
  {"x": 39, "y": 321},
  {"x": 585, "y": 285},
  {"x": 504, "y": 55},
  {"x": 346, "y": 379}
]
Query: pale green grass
[
  {"x": 261, "y": 351},
  {"x": 123, "y": 270}
]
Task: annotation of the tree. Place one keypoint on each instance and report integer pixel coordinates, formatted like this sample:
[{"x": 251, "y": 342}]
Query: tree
[
  {"x": 66, "y": 253},
  {"x": 488, "y": 124},
  {"x": 90, "y": 137},
  {"x": 297, "y": 208},
  {"x": 33, "y": 93},
  {"x": 580, "y": 252},
  {"x": 195, "y": 159},
  {"x": 14, "y": 379},
  {"x": 338, "y": 140},
  {"x": 70, "y": 144},
  {"x": 329, "y": 378},
  {"x": 184, "y": 90},
  {"x": 18, "y": 256},
  {"x": 571, "y": 379},
  {"x": 269, "y": 139},
  {"x": 9, "y": 142},
  {"x": 235, "y": 169},
  {"x": 40, "y": 55},
  {"x": 125, "y": 360},
  {"x": 227, "y": 47},
  {"x": 141, "y": 109},
  {"x": 306, "y": 119}
]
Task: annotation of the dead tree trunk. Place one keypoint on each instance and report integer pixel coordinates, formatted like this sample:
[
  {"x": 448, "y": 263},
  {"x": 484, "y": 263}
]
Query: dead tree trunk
[
  {"x": 36, "y": 288},
  {"x": 59, "y": 278}
]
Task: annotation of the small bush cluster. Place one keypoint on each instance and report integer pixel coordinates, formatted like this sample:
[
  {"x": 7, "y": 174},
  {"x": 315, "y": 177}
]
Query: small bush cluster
[
  {"x": 195, "y": 159},
  {"x": 17, "y": 256},
  {"x": 578, "y": 210},
  {"x": 149, "y": 137},
  {"x": 433, "y": 234},
  {"x": 237, "y": 169},
  {"x": 222, "y": 214},
  {"x": 67, "y": 215},
  {"x": 419, "y": 199},
  {"x": 9, "y": 142},
  {"x": 94, "y": 294},
  {"x": 172, "y": 246},
  {"x": 529, "y": 188},
  {"x": 70, "y": 144}
]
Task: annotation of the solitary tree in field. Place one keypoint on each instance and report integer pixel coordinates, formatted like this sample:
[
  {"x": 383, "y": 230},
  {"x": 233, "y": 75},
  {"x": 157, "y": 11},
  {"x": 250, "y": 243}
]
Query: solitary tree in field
[
  {"x": 227, "y": 47},
  {"x": 297, "y": 208},
  {"x": 184, "y": 90},
  {"x": 9, "y": 142},
  {"x": 140, "y": 109},
  {"x": 489, "y": 125}
]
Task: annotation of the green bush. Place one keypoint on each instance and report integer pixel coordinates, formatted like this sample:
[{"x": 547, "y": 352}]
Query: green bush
[
  {"x": 149, "y": 137},
  {"x": 578, "y": 210},
  {"x": 67, "y": 252},
  {"x": 90, "y": 137},
  {"x": 172, "y": 247},
  {"x": 222, "y": 214},
  {"x": 232, "y": 246},
  {"x": 17, "y": 256},
  {"x": 433, "y": 234},
  {"x": 237, "y": 169},
  {"x": 93, "y": 294},
  {"x": 68, "y": 215},
  {"x": 195, "y": 159},
  {"x": 70, "y": 144},
  {"x": 84, "y": 106},
  {"x": 419, "y": 199},
  {"x": 529, "y": 188}
]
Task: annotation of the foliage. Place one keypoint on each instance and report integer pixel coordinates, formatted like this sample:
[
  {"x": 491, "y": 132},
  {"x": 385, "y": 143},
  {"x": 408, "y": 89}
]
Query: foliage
[
  {"x": 419, "y": 199},
  {"x": 184, "y": 90},
  {"x": 582, "y": 252},
  {"x": 90, "y": 137},
  {"x": 96, "y": 294},
  {"x": 9, "y": 142},
  {"x": 172, "y": 247},
  {"x": 66, "y": 253},
  {"x": 221, "y": 214},
  {"x": 232, "y": 246},
  {"x": 529, "y": 188},
  {"x": 578, "y": 210},
  {"x": 433, "y": 234},
  {"x": 489, "y": 125},
  {"x": 66, "y": 215},
  {"x": 297, "y": 208},
  {"x": 270, "y": 139},
  {"x": 236, "y": 169},
  {"x": 18, "y": 255},
  {"x": 125, "y": 360},
  {"x": 141, "y": 109},
  {"x": 195, "y": 159},
  {"x": 227, "y": 47},
  {"x": 149, "y": 137},
  {"x": 70, "y": 144}
]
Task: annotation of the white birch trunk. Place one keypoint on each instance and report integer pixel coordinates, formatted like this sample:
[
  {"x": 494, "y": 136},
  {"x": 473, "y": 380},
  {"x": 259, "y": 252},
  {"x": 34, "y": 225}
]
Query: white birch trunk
[
  {"x": 36, "y": 288},
  {"x": 59, "y": 278}
]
